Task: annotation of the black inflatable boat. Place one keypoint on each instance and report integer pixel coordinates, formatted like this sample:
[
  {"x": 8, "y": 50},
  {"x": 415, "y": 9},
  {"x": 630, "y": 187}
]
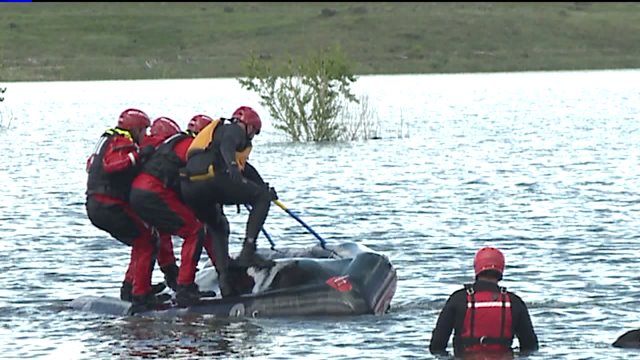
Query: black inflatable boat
[
  {"x": 628, "y": 340},
  {"x": 349, "y": 279}
]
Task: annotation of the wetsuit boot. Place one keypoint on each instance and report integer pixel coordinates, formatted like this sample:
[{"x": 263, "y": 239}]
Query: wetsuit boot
[
  {"x": 147, "y": 301},
  {"x": 170, "y": 276},
  {"x": 127, "y": 288},
  {"x": 190, "y": 294}
]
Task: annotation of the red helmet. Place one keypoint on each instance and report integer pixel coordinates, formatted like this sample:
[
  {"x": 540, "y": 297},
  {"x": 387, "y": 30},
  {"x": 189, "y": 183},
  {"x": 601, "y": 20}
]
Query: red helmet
[
  {"x": 198, "y": 122},
  {"x": 163, "y": 127},
  {"x": 488, "y": 258},
  {"x": 248, "y": 116},
  {"x": 133, "y": 119}
]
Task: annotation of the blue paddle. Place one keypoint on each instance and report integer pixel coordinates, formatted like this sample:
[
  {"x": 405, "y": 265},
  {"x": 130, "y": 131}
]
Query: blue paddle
[{"x": 293, "y": 215}]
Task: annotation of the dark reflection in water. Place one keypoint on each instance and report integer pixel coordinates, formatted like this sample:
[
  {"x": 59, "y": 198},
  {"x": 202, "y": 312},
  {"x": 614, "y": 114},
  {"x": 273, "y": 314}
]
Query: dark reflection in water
[{"x": 184, "y": 338}]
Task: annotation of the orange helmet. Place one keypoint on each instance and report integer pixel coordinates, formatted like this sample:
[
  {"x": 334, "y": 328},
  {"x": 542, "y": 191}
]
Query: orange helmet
[
  {"x": 488, "y": 258},
  {"x": 163, "y": 127},
  {"x": 198, "y": 122},
  {"x": 248, "y": 116},
  {"x": 133, "y": 119}
]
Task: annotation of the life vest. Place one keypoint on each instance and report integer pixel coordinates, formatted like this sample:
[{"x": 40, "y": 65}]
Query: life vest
[
  {"x": 165, "y": 163},
  {"x": 487, "y": 323},
  {"x": 203, "y": 159},
  {"x": 117, "y": 185}
]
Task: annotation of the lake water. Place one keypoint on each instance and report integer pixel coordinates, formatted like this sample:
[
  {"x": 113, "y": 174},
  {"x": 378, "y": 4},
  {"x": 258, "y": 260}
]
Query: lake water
[{"x": 543, "y": 165}]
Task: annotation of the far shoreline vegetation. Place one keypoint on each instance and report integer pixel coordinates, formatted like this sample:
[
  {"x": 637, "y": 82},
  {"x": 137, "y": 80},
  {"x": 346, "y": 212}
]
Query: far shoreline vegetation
[{"x": 164, "y": 40}]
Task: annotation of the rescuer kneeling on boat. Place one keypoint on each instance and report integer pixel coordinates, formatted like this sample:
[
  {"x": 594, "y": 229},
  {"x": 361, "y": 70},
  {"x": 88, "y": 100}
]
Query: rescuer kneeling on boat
[
  {"x": 217, "y": 172},
  {"x": 485, "y": 316}
]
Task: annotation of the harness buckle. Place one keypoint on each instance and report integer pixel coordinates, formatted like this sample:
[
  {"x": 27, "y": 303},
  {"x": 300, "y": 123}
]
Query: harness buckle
[{"x": 470, "y": 290}]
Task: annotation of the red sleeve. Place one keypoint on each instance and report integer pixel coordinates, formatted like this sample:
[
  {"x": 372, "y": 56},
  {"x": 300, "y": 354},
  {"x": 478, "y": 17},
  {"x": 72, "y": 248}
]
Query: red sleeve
[
  {"x": 181, "y": 148},
  {"x": 121, "y": 154}
]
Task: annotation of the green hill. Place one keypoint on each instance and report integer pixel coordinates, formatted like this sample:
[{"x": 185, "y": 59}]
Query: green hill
[{"x": 95, "y": 41}]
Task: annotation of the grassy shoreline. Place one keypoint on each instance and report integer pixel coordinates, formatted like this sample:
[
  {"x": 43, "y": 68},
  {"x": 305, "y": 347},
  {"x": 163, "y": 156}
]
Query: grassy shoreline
[{"x": 109, "y": 41}]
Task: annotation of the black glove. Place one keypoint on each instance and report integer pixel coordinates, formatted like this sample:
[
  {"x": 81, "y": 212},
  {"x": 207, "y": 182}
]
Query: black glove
[
  {"x": 274, "y": 194},
  {"x": 146, "y": 152},
  {"x": 272, "y": 191}
]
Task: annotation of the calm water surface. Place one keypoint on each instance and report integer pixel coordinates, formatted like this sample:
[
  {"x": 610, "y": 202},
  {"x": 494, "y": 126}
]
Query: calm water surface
[{"x": 541, "y": 165}]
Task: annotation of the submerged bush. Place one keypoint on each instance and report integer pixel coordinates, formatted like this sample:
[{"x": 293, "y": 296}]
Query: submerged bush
[
  {"x": 361, "y": 122},
  {"x": 304, "y": 96}
]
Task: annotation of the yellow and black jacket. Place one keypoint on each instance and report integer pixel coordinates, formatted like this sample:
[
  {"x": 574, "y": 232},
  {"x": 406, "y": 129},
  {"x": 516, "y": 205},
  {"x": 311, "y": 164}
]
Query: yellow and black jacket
[{"x": 216, "y": 147}]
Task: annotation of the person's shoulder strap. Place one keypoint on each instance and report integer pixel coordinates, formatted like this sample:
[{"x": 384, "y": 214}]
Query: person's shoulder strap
[{"x": 469, "y": 289}]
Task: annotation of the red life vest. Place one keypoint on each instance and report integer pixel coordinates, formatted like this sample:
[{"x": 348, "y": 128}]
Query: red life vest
[
  {"x": 487, "y": 322},
  {"x": 116, "y": 185}
]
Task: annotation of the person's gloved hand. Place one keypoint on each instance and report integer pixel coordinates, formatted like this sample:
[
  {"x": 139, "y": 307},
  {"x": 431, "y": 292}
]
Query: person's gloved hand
[
  {"x": 274, "y": 194},
  {"x": 146, "y": 152},
  {"x": 272, "y": 191}
]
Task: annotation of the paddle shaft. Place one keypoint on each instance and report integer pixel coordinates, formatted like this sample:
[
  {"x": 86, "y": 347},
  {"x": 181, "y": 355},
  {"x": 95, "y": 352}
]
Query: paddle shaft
[{"x": 293, "y": 215}]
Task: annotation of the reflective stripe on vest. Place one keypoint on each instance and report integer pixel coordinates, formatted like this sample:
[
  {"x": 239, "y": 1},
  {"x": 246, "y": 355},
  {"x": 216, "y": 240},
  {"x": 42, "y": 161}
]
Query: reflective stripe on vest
[
  {"x": 489, "y": 304},
  {"x": 118, "y": 131}
]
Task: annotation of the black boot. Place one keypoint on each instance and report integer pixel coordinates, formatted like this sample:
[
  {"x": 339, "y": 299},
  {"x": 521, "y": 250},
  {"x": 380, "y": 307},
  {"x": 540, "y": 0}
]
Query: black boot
[
  {"x": 171, "y": 276},
  {"x": 221, "y": 248},
  {"x": 248, "y": 256},
  {"x": 127, "y": 288},
  {"x": 125, "y": 291},
  {"x": 188, "y": 295},
  {"x": 158, "y": 288},
  {"x": 147, "y": 301}
]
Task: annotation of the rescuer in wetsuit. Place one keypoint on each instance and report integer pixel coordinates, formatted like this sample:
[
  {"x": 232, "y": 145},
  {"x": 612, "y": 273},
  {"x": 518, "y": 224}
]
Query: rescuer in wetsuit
[
  {"x": 485, "y": 316},
  {"x": 217, "y": 173}
]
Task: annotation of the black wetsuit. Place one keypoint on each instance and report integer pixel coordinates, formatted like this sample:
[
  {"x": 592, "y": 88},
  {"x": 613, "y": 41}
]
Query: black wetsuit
[
  {"x": 228, "y": 185},
  {"x": 248, "y": 188},
  {"x": 452, "y": 317}
]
